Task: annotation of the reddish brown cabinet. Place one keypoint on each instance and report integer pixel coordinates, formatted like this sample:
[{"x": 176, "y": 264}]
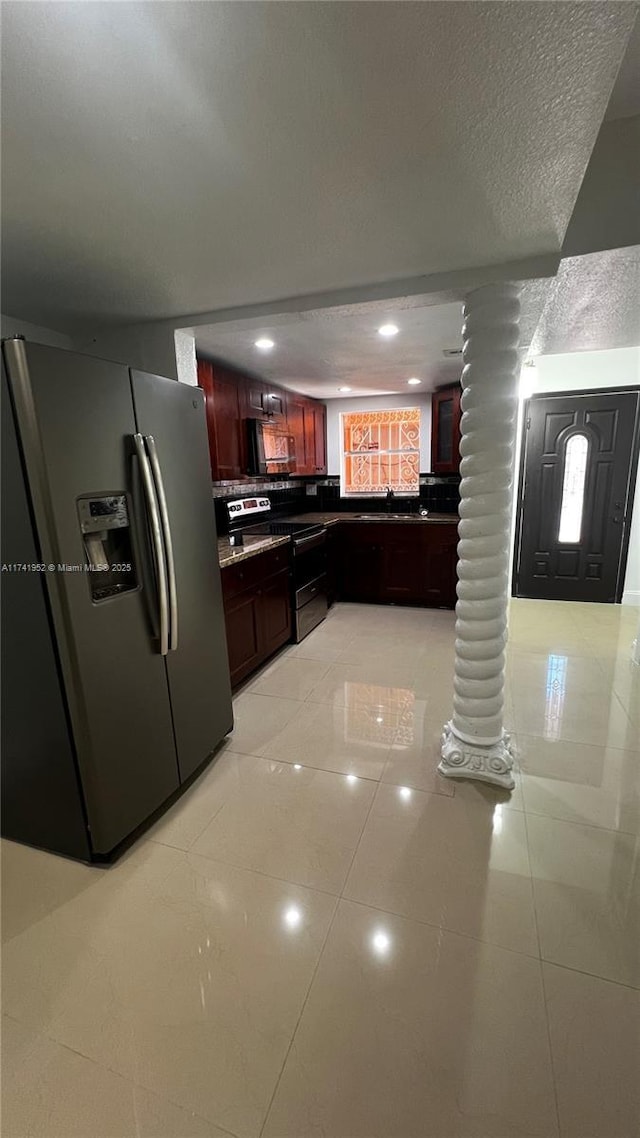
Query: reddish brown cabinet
[
  {"x": 409, "y": 563},
  {"x": 296, "y": 427},
  {"x": 232, "y": 398},
  {"x": 225, "y": 421},
  {"x": 255, "y": 397},
  {"x": 307, "y": 422},
  {"x": 242, "y": 621},
  {"x": 445, "y": 429},
  {"x": 319, "y": 438},
  {"x": 257, "y": 609},
  {"x": 275, "y": 404},
  {"x": 275, "y": 612},
  {"x": 263, "y": 400}
]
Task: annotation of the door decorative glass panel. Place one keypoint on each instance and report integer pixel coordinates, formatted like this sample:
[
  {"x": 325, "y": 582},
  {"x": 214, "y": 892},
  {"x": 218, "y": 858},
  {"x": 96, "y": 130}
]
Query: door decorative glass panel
[{"x": 573, "y": 482}]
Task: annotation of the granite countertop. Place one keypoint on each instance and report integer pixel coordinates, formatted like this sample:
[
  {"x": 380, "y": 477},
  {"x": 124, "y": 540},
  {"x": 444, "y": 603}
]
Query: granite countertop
[
  {"x": 229, "y": 555},
  {"x": 329, "y": 519}
]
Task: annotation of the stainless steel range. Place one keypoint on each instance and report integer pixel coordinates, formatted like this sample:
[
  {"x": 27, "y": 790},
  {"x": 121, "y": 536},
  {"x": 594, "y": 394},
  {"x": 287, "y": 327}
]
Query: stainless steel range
[{"x": 309, "y": 557}]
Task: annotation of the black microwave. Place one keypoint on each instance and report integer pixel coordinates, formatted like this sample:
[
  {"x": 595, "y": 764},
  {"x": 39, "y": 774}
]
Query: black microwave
[{"x": 272, "y": 450}]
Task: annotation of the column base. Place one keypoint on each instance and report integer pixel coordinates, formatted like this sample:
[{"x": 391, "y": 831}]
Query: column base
[{"x": 492, "y": 763}]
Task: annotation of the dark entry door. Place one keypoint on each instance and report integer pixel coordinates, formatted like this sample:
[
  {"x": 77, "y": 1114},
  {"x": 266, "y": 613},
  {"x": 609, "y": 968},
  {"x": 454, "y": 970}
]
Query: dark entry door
[{"x": 576, "y": 507}]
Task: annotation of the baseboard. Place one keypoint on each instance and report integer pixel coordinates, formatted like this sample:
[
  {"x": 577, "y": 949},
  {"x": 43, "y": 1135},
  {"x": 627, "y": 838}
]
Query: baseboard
[{"x": 631, "y": 597}]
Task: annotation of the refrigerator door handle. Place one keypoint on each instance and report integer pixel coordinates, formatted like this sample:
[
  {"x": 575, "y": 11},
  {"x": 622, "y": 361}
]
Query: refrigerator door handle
[
  {"x": 168, "y": 544},
  {"x": 156, "y": 537},
  {"x": 147, "y": 572}
]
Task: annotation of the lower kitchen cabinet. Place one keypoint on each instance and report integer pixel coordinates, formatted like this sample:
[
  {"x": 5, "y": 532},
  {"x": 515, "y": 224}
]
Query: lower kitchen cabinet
[
  {"x": 404, "y": 563},
  {"x": 275, "y": 613},
  {"x": 242, "y": 620},
  {"x": 331, "y": 548},
  {"x": 359, "y": 560},
  {"x": 257, "y": 609}
]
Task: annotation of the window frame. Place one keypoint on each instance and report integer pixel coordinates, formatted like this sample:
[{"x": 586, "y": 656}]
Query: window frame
[{"x": 344, "y": 493}]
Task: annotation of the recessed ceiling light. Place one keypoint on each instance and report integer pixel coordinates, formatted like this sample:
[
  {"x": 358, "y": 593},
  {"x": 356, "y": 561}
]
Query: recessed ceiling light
[
  {"x": 388, "y": 330},
  {"x": 413, "y": 382},
  {"x": 344, "y": 389},
  {"x": 264, "y": 344}
]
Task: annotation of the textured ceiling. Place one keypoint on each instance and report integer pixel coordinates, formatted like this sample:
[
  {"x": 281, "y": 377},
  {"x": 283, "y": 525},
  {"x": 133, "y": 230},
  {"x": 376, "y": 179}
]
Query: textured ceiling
[
  {"x": 625, "y": 97},
  {"x": 592, "y": 304},
  {"x": 162, "y": 159},
  {"x": 318, "y": 352}
]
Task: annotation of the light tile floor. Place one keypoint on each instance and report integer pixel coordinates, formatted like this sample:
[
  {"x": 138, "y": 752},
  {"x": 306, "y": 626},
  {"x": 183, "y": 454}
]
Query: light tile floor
[{"x": 325, "y": 939}]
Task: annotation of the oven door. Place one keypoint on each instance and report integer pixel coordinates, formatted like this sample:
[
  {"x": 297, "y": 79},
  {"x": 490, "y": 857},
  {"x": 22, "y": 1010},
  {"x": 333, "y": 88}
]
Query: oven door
[
  {"x": 309, "y": 559},
  {"x": 309, "y": 583}
]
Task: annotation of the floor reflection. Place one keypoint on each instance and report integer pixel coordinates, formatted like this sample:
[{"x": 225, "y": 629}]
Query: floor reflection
[
  {"x": 555, "y": 695},
  {"x": 378, "y": 715}
]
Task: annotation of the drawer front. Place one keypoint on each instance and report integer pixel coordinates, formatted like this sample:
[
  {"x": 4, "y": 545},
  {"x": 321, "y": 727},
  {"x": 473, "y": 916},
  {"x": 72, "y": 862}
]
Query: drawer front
[
  {"x": 308, "y": 592},
  {"x": 310, "y": 616},
  {"x": 247, "y": 574},
  {"x": 274, "y": 561}
]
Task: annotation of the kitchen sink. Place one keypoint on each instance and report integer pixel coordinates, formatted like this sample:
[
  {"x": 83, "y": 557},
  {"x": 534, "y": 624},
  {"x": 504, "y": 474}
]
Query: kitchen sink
[{"x": 388, "y": 517}]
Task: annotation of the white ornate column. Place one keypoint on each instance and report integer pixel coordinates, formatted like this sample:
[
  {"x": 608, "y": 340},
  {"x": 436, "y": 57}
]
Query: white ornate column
[{"x": 474, "y": 743}]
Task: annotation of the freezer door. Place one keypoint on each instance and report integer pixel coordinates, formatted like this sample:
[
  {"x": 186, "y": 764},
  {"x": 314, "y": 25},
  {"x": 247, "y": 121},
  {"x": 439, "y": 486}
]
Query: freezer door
[
  {"x": 171, "y": 415},
  {"x": 76, "y": 422}
]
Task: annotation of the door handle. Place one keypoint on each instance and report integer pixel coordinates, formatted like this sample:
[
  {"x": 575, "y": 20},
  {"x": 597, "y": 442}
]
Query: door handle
[
  {"x": 168, "y": 544},
  {"x": 149, "y": 585},
  {"x": 156, "y": 537}
]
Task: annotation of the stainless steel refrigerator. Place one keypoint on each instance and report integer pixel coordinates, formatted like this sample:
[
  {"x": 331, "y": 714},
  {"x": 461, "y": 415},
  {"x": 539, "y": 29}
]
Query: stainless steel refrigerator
[{"x": 115, "y": 680}]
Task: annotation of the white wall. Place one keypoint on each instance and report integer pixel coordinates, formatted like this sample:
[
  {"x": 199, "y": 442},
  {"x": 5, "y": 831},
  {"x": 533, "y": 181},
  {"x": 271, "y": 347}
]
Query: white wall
[
  {"x": 10, "y": 326},
  {"x": 606, "y": 214},
  {"x": 150, "y": 347},
  {"x": 377, "y": 403},
  {"x": 580, "y": 371}
]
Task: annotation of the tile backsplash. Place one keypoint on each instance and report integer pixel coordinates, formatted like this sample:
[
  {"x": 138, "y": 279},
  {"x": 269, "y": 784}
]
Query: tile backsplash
[
  {"x": 286, "y": 497},
  {"x": 438, "y": 492}
]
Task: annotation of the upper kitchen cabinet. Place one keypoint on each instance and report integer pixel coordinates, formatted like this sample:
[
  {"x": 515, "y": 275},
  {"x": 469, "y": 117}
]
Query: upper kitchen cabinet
[
  {"x": 295, "y": 426},
  {"x": 275, "y": 404},
  {"x": 320, "y": 437},
  {"x": 255, "y": 392},
  {"x": 445, "y": 429},
  {"x": 263, "y": 400},
  {"x": 224, "y": 399},
  {"x": 307, "y": 422},
  {"x": 233, "y": 397}
]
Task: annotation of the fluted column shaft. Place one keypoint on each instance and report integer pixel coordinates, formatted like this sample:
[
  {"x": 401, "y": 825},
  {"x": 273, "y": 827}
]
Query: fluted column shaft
[{"x": 474, "y": 744}]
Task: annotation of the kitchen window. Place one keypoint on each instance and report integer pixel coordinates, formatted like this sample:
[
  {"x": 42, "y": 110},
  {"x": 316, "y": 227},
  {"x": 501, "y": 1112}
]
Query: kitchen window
[{"x": 380, "y": 449}]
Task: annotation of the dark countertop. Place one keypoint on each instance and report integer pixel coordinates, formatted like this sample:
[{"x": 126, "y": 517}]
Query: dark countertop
[
  {"x": 329, "y": 519},
  {"x": 229, "y": 555}
]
